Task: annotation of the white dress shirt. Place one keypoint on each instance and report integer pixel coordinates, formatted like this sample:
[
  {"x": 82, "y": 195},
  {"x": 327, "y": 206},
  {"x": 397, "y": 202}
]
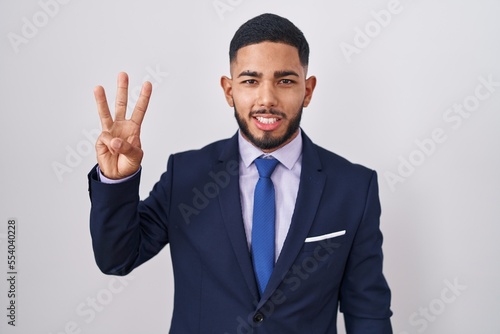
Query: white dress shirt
[{"x": 286, "y": 178}]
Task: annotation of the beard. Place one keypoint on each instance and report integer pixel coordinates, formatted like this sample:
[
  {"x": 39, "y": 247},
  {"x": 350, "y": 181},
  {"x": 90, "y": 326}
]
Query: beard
[{"x": 268, "y": 141}]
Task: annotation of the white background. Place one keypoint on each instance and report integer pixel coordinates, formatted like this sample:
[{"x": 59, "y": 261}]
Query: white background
[{"x": 440, "y": 217}]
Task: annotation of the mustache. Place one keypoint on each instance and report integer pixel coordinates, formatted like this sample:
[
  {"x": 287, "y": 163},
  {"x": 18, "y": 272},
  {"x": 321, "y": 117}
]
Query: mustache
[{"x": 271, "y": 111}]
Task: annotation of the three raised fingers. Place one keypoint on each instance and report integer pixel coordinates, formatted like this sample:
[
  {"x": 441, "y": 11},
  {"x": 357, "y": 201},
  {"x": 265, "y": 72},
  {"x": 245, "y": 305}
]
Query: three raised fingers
[{"x": 121, "y": 102}]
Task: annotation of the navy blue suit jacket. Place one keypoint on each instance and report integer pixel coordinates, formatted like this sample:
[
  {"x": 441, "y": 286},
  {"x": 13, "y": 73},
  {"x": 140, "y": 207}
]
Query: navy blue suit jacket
[{"x": 195, "y": 207}]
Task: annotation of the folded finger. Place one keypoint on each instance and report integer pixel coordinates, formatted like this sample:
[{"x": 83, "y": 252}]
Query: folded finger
[{"x": 104, "y": 141}]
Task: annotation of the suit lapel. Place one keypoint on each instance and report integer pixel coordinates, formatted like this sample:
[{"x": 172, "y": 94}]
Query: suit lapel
[
  {"x": 312, "y": 181},
  {"x": 230, "y": 204}
]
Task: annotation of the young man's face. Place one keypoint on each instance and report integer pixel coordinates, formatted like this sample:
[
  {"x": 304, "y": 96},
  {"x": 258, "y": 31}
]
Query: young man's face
[{"x": 268, "y": 89}]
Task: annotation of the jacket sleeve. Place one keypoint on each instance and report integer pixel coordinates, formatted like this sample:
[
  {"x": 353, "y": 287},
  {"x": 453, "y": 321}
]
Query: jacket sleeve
[
  {"x": 127, "y": 232},
  {"x": 364, "y": 294}
]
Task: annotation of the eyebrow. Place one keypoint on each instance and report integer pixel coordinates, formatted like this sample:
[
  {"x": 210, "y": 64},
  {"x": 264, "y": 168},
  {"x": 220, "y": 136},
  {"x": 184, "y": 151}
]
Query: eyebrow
[
  {"x": 281, "y": 74},
  {"x": 249, "y": 73},
  {"x": 277, "y": 74}
]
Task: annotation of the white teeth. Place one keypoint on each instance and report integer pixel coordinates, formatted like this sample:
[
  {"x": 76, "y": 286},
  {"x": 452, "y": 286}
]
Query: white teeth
[{"x": 265, "y": 120}]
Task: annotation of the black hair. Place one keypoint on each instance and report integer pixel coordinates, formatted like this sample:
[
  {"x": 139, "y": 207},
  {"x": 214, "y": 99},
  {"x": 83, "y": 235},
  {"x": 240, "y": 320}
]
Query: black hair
[{"x": 270, "y": 28}]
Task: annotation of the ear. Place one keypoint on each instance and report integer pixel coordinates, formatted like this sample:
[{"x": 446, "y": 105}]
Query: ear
[
  {"x": 227, "y": 86},
  {"x": 310, "y": 85}
]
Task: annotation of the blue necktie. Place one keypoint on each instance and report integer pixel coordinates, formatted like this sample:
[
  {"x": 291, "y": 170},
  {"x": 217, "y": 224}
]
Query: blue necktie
[{"x": 263, "y": 230}]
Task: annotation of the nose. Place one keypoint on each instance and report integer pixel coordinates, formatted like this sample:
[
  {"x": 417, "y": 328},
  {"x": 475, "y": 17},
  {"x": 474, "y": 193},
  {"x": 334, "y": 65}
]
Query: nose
[{"x": 266, "y": 96}]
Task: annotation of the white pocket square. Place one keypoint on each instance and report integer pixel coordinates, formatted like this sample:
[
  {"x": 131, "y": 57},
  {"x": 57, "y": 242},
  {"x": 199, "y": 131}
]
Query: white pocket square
[{"x": 325, "y": 236}]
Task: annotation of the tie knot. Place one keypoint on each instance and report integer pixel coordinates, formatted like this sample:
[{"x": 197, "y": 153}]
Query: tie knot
[{"x": 266, "y": 166}]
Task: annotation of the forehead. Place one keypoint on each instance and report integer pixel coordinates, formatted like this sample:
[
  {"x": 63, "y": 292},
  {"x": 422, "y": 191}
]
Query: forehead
[{"x": 267, "y": 56}]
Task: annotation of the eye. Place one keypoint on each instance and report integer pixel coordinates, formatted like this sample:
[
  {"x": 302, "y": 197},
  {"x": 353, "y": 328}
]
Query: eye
[
  {"x": 286, "y": 81},
  {"x": 250, "y": 82}
]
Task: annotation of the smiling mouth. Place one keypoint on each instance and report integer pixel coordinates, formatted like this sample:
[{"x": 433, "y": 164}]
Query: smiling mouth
[{"x": 267, "y": 120}]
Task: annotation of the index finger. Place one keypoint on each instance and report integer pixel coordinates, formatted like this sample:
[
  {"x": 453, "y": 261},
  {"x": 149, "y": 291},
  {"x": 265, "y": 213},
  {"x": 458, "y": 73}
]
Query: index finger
[
  {"x": 103, "y": 108},
  {"x": 142, "y": 103}
]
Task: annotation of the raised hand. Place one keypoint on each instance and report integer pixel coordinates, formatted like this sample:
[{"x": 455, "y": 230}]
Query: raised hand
[{"x": 118, "y": 148}]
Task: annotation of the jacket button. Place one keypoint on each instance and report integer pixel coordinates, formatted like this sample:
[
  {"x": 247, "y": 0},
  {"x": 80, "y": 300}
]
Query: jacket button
[{"x": 258, "y": 317}]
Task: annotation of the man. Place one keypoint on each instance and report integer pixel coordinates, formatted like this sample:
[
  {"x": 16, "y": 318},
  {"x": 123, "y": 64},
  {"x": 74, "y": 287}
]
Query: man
[{"x": 251, "y": 252}]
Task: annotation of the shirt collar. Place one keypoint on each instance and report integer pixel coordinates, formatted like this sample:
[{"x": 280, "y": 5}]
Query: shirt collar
[{"x": 286, "y": 155}]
